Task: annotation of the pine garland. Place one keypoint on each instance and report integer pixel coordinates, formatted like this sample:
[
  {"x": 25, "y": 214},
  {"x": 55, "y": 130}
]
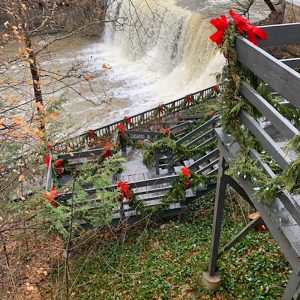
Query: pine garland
[
  {"x": 168, "y": 145},
  {"x": 230, "y": 105},
  {"x": 174, "y": 195}
]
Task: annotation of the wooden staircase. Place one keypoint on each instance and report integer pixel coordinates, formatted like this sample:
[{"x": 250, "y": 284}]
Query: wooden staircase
[{"x": 148, "y": 186}]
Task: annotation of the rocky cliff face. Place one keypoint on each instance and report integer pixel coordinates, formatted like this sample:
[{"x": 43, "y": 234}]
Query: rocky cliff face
[{"x": 62, "y": 15}]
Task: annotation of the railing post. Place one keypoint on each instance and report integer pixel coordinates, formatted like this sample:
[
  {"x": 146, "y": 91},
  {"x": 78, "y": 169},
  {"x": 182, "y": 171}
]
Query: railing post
[
  {"x": 211, "y": 278},
  {"x": 218, "y": 215},
  {"x": 122, "y": 141},
  {"x": 156, "y": 158},
  {"x": 49, "y": 175}
]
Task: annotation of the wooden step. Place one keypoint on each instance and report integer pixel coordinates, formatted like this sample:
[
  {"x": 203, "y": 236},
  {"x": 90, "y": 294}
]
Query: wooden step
[
  {"x": 188, "y": 162},
  {"x": 209, "y": 167},
  {"x": 82, "y": 154},
  {"x": 163, "y": 171},
  {"x": 191, "y": 117}
]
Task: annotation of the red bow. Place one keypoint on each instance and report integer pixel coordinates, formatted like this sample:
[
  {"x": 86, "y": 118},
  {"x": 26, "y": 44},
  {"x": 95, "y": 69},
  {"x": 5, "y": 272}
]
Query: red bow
[
  {"x": 188, "y": 99},
  {"x": 221, "y": 23},
  {"x": 161, "y": 108},
  {"x": 124, "y": 188},
  {"x": 58, "y": 163},
  {"x": 47, "y": 160},
  {"x": 121, "y": 128},
  {"x": 127, "y": 119},
  {"x": 49, "y": 146},
  {"x": 58, "y": 166},
  {"x": 107, "y": 152},
  {"x": 244, "y": 26},
  {"x": 167, "y": 131},
  {"x": 52, "y": 195},
  {"x": 91, "y": 133},
  {"x": 186, "y": 173}
]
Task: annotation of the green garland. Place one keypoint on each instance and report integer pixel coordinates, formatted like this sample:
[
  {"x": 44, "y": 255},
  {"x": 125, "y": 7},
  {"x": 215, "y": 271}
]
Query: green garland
[
  {"x": 168, "y": 145},
  {"x": 231, "y": 104},
  {"x": 174, "y": 195}
]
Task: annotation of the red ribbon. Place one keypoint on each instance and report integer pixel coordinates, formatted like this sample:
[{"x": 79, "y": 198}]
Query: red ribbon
[
  {"x": 244, "y": 26},
  {"x": 52, "y": 195},
  {"x": 167, "y": 131},
  {"x": 221, "y": 23},
  {"x": 127, "y": 119},
  {"x": 107, "y": 152},
  {"x": 47, "y": 160},
  {"x": 188, "y": 99},
  {"x": 186, "y": 173},
  {"x": 161, "y": 108},
  {"x": 58, "y": 166},
  {"x": 121, "y": 128},
  {"x": 91, "y": 133},
  {"x": 124, "y": 188}
]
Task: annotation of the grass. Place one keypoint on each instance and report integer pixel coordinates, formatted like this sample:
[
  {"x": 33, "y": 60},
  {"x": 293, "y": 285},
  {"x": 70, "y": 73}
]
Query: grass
[{"x": 166, "y": 261}]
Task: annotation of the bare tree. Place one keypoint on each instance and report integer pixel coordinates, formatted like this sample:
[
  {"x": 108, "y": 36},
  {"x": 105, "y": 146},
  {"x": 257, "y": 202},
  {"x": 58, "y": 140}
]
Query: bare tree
[{"x": 277, "y": 10}]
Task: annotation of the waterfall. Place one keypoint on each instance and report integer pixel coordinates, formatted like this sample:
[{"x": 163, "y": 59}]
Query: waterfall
[
  {"x": 168, "y": 39},
  {"x": 158, "y": 50}
]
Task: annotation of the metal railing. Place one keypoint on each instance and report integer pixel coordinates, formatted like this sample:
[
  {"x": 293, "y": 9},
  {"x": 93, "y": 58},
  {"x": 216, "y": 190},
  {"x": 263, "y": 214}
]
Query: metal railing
[
  {"x": 282, "y": 216},
  {"x": 140, "y": 120}
]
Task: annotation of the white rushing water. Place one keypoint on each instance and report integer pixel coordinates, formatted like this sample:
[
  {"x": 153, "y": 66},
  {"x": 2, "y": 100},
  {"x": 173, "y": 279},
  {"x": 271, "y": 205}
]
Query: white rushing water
[
  {"x": 160, "y": 53},
  {"x": 158, "y": 50}
]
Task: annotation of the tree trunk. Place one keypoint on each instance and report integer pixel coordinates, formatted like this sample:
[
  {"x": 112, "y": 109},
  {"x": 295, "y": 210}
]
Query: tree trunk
[
  {"x": 38, "y": 97},
  {"x": 277, "y": 15},
  {"x": 271, "y": 5}
]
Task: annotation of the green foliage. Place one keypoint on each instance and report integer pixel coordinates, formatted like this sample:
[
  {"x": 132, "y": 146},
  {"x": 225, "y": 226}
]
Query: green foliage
[
  {"x": 231, "y": 103},
  {"x": 176, "y": 193},
  {"x": 266, "y": 188},
  {"x": 168, "y": 261},
  {"x": 80, "y": 208},
  {"x": 166, "y": 144}
]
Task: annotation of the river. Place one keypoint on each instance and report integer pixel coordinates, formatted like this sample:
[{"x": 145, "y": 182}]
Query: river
[{"x": 160, "y": 53}]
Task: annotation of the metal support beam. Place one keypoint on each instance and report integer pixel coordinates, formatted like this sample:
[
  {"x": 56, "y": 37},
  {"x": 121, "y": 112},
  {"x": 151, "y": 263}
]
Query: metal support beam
[
  {"x": 282, "y": 124},
  {"x": 199, "y": 138},
  {"x": 293, "y": 63},
  {"x": 241, "y": 234},
  {"x": 198, "y": 129},
  {"x": 290, "y": 292},
  {"x": 156, "y": 159},
  {"x": 218, "y": 215},
  {"x": 230, "y": 180}
]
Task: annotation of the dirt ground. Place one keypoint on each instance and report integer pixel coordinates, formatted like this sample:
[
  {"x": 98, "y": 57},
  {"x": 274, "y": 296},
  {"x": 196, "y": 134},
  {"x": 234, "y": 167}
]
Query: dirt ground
[{"x": 25, "y": 263}]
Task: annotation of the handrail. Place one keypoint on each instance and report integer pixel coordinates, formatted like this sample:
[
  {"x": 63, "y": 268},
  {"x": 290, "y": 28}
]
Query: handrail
[
  {"x": 199, "y": 129},
  {"x": 136, "y": 184},
  {"x": 140, "y": 119},
  {"x": 281, "y": 79},
  {"x": 49, "y": 175}
]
